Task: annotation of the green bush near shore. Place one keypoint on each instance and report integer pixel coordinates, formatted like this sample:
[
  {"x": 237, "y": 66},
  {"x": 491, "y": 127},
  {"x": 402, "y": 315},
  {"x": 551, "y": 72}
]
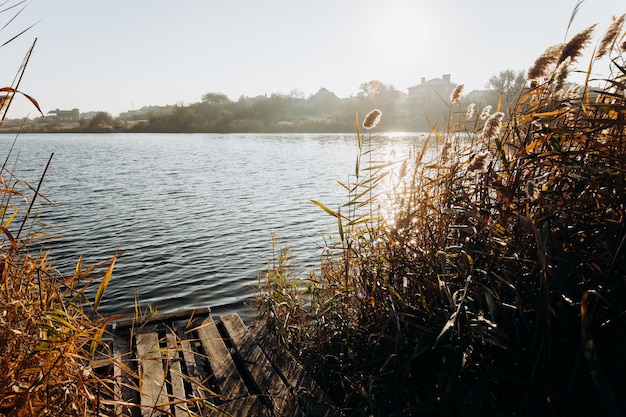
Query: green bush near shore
[{"x": 498, "y": 286}]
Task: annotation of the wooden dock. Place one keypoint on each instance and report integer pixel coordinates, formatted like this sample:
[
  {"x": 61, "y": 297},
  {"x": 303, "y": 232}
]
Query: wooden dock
[{"x": 192, "y": 364}]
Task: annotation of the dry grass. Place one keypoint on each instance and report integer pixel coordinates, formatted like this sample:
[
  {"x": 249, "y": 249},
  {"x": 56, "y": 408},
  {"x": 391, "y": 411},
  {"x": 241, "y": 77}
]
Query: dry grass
[
  {"x": 499, "y": 287},
  {"x": 50, "y": 332}
]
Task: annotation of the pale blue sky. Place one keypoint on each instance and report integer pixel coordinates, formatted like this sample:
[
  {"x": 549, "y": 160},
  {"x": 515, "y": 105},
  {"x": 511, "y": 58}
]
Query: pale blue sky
[{"x": 117, "y": 55}]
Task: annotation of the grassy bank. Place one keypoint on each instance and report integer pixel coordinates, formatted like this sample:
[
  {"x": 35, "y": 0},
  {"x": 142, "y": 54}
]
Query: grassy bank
[{"x": 498, "y": 286}]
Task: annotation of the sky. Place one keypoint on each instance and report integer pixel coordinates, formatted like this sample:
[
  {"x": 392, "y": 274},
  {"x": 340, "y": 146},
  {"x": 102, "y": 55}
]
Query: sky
[{"x": 120, "y": 55}]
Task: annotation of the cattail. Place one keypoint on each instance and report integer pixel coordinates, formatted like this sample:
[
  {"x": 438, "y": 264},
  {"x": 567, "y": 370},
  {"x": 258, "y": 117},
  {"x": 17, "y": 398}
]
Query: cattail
[
  {"x": 574, "y": 48},
  {"x": 492, "y": 126},
  {"x": 541, "y": 65},
  {"x": 372, "y": 119},
  {"x": 609, "y": 37},
  {"x": 470, "y": 111},
  {"x": 485, "y": 113},
  {"x": 478, "y": 162},
  {"x": 457, "y": 93}
]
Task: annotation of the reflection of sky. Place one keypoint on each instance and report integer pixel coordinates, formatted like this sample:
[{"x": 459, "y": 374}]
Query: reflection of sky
[{"x": 119, "y": 55}]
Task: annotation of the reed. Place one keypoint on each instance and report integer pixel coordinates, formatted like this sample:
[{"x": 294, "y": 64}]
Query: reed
[
  {"x": 50, "y": 330},
  {"x": 498, "y": 286}
]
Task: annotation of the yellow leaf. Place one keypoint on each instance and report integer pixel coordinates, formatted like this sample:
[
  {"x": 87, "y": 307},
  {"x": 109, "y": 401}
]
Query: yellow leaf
[{"x": 103, "y": 284}]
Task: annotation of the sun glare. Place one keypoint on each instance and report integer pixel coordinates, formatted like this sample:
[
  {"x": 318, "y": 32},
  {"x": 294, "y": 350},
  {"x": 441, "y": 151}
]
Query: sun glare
[
  {"x": 394, "y": 153},
  {"x": 399, "y": 30}
]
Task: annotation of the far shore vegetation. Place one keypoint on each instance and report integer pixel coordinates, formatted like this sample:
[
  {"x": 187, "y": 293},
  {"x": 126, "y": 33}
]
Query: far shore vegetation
[{"x": 322, "y": 112}]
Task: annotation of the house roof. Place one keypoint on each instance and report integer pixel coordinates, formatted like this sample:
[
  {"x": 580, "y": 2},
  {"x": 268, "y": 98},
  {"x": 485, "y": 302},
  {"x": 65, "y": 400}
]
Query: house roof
[{"x": 433, "y": 82}]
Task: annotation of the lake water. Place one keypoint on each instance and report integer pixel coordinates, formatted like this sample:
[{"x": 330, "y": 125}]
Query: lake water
[{"x": 193, "y": 214}]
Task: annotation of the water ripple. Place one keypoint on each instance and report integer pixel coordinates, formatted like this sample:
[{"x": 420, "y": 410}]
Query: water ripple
[{"x": 192, "y": 214}]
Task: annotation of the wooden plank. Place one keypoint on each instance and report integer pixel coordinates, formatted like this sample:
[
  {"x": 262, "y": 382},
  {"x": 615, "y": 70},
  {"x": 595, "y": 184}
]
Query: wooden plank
[
  {"x": 164, "y": 317},
  {"x": 176, "y": 375},
  {"x": 122, "y": 370},
  {"x": 309, "y": 395},
  {"x": 277, "y": 383},
  {"x": 153, "y": 391},
  {"x": 224, "y": 369},
  {"x": 260, "y": 369}
]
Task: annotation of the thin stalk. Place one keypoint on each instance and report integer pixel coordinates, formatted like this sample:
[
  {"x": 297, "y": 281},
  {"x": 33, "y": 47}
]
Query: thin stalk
[{"x": 30, "y": 207}]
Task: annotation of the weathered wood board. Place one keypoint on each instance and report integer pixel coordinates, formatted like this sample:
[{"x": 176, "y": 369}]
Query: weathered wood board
[{"x": 190, "y": 364}]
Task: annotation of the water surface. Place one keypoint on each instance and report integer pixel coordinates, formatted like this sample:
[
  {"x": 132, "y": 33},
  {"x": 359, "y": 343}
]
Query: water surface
[{"x": 192, "y": 214}]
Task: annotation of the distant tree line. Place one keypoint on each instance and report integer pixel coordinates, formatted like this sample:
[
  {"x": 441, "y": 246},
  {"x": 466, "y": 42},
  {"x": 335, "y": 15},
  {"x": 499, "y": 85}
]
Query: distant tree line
[
  {"x": 322, "y": 112},
  {"x": 281, "y": 113}
]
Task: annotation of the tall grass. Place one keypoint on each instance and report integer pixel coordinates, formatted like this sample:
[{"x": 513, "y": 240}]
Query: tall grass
[
  {"x": 51, "y": 334},
  {"x": 499, "y": 285},
  {"x": 50, "y": 330}
]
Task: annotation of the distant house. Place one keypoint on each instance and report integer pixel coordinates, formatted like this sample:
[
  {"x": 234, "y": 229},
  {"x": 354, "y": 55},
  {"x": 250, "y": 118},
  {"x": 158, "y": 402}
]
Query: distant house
[
  {"x": 324, "y": 100},
  {"x": 65, "y": 115},
  {"x": 323, "y": 96},
  {"x": 145, "y": 112},
  {"x": 431, "y": 91}
]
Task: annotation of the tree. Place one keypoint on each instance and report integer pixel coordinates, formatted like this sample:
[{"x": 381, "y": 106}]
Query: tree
[
  {"x": 215, "y": 98},
  {"x": 102, "y": 122},
  {"x": 508, "y": 82}
]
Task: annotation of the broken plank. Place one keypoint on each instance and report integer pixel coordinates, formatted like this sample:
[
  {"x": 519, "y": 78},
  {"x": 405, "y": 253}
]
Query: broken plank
[
  {"x": 226, "y": 375},
  {"x": 259, "y": 368}
]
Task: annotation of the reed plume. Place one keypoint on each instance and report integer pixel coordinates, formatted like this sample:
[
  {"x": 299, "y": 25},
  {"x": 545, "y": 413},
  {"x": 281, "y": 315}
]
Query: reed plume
[
  {"x": 470, "y": 111},
  {"x": 543, "y": 63},
  {"x": 478, "y": 162},
  {"x": 457, "y": 93},
  {"x": 372, "y": 119},
  {"x": 485, "y": 113},
  {"x": 609, "y": 37},
  {"x": 574, "y": 48},
  {"x": 493, "y": 126},
  {"x": 562, "y": 72}
]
